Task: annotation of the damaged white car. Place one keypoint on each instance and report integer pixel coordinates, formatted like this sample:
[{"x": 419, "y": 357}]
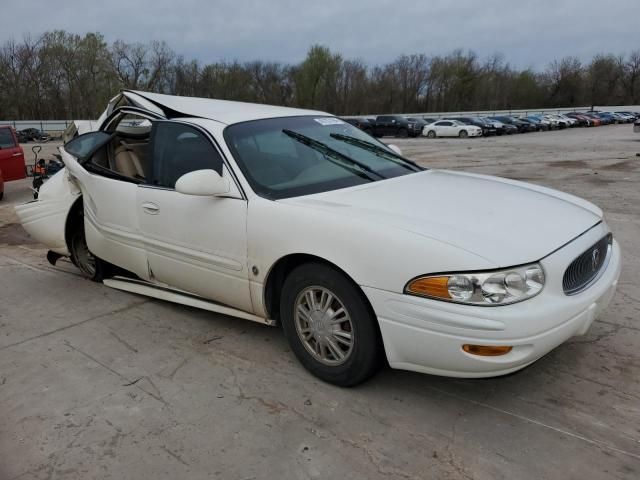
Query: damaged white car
[{"x": 290, "y": 216}]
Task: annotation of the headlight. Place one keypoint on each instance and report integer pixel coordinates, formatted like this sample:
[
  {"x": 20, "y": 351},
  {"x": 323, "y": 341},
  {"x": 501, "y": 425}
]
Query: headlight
[{"x": 498, "y": 287}]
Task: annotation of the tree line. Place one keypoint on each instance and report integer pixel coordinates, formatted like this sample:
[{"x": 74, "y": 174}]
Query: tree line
[{"x": 61, "y": 75}]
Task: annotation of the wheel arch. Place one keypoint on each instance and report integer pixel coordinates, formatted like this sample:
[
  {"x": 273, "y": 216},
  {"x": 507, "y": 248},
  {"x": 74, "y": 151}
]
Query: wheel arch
[
  {"x": 278, "y": 272},
  {"x": 73, "y": 216}
]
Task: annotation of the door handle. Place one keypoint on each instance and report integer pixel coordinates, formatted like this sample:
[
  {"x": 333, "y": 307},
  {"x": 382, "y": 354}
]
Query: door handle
[
  {"x": 16, "y": 154},
  {"x": 151, "y": 208}
]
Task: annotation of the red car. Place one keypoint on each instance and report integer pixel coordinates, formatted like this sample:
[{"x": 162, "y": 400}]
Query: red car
[{"x": 11, "y": 157}]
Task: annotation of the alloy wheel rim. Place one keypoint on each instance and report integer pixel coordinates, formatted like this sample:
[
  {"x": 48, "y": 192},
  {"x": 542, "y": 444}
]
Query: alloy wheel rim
[{"x": 324, "y": 325}]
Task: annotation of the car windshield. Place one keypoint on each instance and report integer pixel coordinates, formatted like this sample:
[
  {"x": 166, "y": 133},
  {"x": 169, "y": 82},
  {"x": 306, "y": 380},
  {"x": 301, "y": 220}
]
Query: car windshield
[{"x": 293, "y": 156}]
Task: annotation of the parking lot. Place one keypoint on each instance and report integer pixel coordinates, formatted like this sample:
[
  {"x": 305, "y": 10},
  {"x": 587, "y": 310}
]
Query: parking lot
[{"x": 96, "y": 382}]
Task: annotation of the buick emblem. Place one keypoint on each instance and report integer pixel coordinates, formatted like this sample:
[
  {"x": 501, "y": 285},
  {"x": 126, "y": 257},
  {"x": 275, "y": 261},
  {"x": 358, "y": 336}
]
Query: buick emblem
[{"x": 595, "y": 259}]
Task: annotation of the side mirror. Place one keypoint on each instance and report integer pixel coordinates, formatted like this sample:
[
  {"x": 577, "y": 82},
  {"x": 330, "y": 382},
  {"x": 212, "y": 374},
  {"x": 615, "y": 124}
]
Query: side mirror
[
  {"x": 206, "y": 183},
  {"x": 395, "y": 148}
]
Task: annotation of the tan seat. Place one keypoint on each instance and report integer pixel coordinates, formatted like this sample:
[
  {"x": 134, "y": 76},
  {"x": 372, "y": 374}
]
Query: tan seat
[{"x": 127, "y": 162}]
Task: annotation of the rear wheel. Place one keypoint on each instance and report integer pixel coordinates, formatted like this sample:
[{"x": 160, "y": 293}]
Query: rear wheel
[
  {"x": 91, "y": 266},
  {"x": 403, "y": 133},
  {"x": 431, "y": 134},
  {"x": 463, "y": 134},
  {"x": 329, "y": 325}
]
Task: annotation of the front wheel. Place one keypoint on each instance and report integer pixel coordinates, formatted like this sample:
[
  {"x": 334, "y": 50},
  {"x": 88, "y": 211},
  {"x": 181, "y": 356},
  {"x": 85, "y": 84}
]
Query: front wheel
[
  {"x": 403, "y": 133},
  {"x": 431, "y": 134},
  {"x": 463, "y": 134},
  {"x": 329, "y": 325}
]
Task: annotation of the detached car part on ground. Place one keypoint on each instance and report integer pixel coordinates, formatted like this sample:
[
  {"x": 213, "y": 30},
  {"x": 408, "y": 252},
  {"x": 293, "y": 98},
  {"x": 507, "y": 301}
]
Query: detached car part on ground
[{"x": 280, "y": 215}]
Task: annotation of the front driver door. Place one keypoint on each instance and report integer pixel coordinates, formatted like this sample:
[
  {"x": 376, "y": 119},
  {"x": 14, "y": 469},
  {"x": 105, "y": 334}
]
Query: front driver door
[
  {"x": 194, "y": 243},
  {"x": 449, "y": 129}
]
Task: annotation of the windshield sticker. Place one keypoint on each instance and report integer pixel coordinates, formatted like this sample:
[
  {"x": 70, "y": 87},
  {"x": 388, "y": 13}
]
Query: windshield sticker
[{"x": 329, "y": 121}]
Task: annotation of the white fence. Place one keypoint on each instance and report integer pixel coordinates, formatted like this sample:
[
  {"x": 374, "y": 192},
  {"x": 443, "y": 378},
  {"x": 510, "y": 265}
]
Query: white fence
[{"x": 50, "y": 126}]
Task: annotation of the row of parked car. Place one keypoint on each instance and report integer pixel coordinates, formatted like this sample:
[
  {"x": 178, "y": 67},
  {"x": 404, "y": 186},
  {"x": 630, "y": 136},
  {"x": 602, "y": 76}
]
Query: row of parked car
[{"x": 476, "y": 126}]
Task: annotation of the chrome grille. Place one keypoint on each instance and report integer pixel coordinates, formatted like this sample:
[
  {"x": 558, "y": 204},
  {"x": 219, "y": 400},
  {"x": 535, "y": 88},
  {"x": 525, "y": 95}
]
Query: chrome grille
[{"x": 585, "y": 269}]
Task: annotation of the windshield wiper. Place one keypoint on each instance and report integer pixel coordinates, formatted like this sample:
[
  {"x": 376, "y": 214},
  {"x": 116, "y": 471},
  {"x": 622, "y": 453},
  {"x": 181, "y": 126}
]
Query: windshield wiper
[
  {"x": 330, "y": 153},
  {"x": 379, "y": 151}
]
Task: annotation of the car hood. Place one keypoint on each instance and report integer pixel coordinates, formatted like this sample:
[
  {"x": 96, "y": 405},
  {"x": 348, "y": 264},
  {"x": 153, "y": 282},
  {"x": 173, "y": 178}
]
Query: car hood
[{"x": 504, "y": 221}]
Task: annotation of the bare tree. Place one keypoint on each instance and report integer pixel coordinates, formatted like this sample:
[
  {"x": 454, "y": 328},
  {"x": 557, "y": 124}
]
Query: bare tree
[{"x": 65, "y": 75}]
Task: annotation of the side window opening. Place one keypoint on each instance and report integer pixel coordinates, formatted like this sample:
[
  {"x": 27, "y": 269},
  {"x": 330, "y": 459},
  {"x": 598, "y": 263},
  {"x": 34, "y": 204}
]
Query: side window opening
[
  {"x": 120, "y": 152},
  {"x": 178, "y": 149},
  {"x": 128, "y": 153},
  {"x": 7, "y": 139}
]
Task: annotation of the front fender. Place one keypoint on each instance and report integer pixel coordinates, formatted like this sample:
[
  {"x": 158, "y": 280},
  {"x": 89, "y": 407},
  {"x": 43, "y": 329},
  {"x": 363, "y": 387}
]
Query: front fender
[{"x": 372, "y": 255}]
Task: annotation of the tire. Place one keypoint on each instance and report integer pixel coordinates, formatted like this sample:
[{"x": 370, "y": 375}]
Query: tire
[
  {"x": 463, "y": 134},
  {"x": 403, "y": 133},
  {"x": 1, "y": 195},
  {"x": 306, "y": 290},
  {"x": 431, "y": 134},
  {"x": 89, "y": 265}
]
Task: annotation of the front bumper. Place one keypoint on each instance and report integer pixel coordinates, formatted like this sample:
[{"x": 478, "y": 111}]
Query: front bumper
[{"x": 427, "y": 335}]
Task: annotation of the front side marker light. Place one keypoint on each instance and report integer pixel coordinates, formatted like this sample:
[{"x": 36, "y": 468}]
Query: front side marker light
[
  {"x": 430, "y": 287},
  {"x": 487, "y": 350}
]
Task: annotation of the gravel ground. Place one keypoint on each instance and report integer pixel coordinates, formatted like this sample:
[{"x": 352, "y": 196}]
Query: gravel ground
[{"x": 98, "y": 383}]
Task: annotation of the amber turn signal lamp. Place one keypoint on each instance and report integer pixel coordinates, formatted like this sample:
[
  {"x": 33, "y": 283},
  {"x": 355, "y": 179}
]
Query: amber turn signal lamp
[
  {"x": 430, "y": 287},
  {"x": 487, "y": 350}
]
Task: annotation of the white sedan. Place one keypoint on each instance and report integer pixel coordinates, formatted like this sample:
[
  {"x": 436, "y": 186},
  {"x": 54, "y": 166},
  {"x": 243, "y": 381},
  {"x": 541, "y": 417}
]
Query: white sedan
[
  {"x": 451, "y": 128},
  {"x": 289, "y": 216}
]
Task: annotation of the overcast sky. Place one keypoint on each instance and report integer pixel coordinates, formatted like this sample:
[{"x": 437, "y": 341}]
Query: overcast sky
[{"x": 530, "y": 33}]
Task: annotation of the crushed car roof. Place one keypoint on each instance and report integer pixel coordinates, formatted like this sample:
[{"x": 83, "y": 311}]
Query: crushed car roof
[{"x": 224, "y": 111}]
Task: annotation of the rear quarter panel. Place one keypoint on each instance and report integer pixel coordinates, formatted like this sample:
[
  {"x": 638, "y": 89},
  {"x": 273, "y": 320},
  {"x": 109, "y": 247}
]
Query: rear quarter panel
[{"x": 45, "y": 219}]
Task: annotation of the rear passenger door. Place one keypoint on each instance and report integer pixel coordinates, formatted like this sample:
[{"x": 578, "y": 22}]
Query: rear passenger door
[
  {"x": 108, "y": 169},
  {"x": 197, "y": 244}
]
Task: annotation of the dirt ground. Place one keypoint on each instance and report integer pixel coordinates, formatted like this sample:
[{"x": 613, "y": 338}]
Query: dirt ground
[{"x": 98, "y": 383}]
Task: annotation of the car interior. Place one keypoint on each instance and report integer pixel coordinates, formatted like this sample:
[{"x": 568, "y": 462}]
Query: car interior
[{"x": 131, "y": 153}]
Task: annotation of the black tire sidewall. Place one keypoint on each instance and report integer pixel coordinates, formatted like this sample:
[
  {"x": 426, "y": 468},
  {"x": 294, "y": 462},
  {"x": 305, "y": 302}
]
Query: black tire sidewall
[{"x": 367, "y": 354}]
